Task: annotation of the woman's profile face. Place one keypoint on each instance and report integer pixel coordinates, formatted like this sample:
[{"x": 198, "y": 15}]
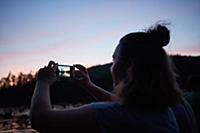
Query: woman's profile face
[{"x": 116, "y": 67}]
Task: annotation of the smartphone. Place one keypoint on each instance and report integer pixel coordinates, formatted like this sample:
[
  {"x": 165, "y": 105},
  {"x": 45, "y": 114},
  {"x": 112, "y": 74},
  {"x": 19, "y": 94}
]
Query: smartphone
[{"x": 65, "y": 70}]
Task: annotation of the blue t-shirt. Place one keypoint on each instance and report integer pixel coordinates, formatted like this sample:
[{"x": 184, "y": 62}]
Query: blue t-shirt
[{"x": 112, "y": 117}]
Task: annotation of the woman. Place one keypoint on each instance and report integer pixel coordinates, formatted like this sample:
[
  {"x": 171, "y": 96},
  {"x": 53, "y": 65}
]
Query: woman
[{"x": 144, "y": 91}]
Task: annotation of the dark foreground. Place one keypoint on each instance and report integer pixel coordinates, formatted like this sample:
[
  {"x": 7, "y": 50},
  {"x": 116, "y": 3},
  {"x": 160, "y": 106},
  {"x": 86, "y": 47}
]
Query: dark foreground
[{"x": 15, "y": 124}]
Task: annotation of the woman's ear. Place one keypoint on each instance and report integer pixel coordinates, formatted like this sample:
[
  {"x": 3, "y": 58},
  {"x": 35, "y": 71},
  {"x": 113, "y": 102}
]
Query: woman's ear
[
  {"x": 123, "y": 71},
  {"x": 128, "y": 71}
]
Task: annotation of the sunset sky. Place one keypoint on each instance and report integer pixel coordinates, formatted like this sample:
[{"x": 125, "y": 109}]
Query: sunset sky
[{"x": 32, "y": 32}]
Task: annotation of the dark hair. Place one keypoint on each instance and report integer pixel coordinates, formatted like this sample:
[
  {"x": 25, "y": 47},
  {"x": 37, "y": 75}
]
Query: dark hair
[{"x": 149, "y": 81}]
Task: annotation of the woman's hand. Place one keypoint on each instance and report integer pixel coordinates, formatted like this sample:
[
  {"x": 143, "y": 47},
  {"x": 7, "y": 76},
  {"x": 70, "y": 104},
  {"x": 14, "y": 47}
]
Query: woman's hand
[
  {"x": 48, "y": 74},
  {"x": 81, "y": 76}
]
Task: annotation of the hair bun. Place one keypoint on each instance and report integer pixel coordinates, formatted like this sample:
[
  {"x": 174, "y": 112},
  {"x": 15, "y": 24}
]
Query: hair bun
[{"x": 159, "y": 35}]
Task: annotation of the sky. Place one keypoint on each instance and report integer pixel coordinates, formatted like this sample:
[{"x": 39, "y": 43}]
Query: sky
[{"x": 32, "y": 32}]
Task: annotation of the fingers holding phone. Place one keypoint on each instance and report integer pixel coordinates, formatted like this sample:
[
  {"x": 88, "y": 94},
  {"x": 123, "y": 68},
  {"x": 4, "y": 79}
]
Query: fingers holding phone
[
  {"x": 78, "y": 73},
  {"x": 81, "y": 75},
  {"x": 48, "y": 73}
]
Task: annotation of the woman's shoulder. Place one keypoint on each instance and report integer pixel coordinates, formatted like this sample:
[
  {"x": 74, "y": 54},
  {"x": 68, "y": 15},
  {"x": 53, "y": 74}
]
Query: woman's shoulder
[
  {"x": 107, "y": 109},
  {"x": 185, "y": 117},
  {"x": 113, "y": 114},
  {"x": 118, "y": 107},
  {"x": 115, "y": 109},
  {"x": 105, "y": 105}
]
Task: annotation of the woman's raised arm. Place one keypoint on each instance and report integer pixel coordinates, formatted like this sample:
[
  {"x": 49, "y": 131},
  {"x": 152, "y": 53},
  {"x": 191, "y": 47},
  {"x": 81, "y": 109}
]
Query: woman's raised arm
[
  {"x": 45, "y": 119},
  {"x": 97, "y": 92}
]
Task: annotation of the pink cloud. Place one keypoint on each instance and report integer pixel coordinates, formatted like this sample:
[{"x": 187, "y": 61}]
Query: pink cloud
[
  {"x": 8, "y": 57},
  {"x": 33, "y": 36},
  {"x": 18, "y": 39}
]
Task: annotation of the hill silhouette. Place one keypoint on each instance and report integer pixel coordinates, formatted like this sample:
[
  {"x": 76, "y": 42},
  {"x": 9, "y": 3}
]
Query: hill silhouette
[{"x": 17, "y": 91}]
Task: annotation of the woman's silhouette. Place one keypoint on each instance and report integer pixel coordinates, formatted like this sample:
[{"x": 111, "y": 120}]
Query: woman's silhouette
[{"x": 144, "y": 91}]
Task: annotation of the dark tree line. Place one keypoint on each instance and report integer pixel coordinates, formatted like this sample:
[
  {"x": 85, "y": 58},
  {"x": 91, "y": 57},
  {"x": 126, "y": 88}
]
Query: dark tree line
[{"x": 18, "y": 90}]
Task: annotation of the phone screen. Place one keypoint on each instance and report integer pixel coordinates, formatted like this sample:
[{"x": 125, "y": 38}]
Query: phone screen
[{"x": 65, "y": 70}]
